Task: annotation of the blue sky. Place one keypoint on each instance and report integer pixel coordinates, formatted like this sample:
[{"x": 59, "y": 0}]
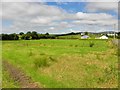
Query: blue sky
[
  {"x": 58, "y": 17},
  {"x": 74, "y": 7},
  {"x": 71, "y": 7}
]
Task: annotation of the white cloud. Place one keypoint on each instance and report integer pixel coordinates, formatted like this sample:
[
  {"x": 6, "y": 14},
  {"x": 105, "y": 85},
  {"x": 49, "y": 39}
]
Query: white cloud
[
  {"x": 20, "y": 10},
  {"x": 44, "y": 18},
  {"x": 60, "y": 1},
  {"x": 100, "y": 0},
  {"x": 99, "y": 22},
  {"x": 41, "y": 20},
  {"x": 102, "y": 6},
  {"x": 93, "y": 16},
  {"x": 52, "y": 28}
]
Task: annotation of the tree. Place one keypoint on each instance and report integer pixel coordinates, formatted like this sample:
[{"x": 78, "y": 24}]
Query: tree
[
  {"x": 5, "y": 37},
  {"x": 34, "y": 32},
  {"x": 47, "y": 33},
  {"x": 16, "y": 37},
  {"x": 13, "y": 36},
  {"x": 27, "y": 37},
  {"x": 28, "y": 32},
  {"x": 86, "y": 33},
  {"x": 118, "y": 35},
  {"x": 34, "y": 35},
  {"x": 21, "y": 33}
]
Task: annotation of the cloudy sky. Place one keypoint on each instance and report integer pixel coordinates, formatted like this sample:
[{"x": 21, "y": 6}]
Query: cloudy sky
[{"x": 58, "y": 17}]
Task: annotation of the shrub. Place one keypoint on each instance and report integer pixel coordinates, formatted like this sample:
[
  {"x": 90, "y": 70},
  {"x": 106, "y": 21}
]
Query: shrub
[
  {"x": 91, "y": 44},
  {"x": 76, "y": 45},
  {"x": 30, "y": 53}
]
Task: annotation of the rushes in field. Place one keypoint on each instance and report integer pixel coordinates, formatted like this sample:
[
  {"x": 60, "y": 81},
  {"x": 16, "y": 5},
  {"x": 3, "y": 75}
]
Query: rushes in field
[
  {"x": 43, "y": 61},
  {"x": 91, "y": 44},
  {"x": 40, "y": 62}
]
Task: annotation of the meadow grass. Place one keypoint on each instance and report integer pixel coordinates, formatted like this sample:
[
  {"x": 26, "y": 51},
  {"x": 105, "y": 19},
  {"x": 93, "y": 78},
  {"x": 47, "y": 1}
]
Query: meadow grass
[
  {"x": 7, "y": 81},
  {"x": 65, "y": 63}
]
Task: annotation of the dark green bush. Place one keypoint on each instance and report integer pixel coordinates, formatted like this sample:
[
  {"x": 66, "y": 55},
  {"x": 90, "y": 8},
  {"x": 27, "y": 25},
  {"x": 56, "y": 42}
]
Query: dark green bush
[{"x": 91, "y": 44}]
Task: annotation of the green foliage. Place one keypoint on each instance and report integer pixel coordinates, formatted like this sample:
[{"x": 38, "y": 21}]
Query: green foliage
[
  {"x": 13, "y": 36},
  {"x": 86, "y": 33},
  {"x": 47, "y": 34},
  {"x": 40, "y": 62},
  {"x": 21, "y": 33},
  {"x": 34, "y": 35},
  {"x": 30, "y": 53},
  {"x": 43, "y": 60},
  {"x": 118, "y": 35},
  {"x": 29, "y": 32},
  {"x": 91, "y": 44},
  {"x": 52, "y": 59}
]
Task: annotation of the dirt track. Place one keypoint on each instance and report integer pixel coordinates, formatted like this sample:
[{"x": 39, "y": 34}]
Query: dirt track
[{"x": 17, "y": 75}]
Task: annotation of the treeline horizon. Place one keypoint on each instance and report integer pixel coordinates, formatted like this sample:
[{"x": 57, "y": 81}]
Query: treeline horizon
[
  {"x": 31, "y": 35},
  {"x": 26, "y": 36}
]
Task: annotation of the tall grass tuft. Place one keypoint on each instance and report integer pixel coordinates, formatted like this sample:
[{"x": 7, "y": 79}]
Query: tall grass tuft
[
  {"x": 30, "y": 53},
  {"x": 91, "y": 44},
  {"x": 41, "y": 62},
  {"x": 52, "y": 59}
]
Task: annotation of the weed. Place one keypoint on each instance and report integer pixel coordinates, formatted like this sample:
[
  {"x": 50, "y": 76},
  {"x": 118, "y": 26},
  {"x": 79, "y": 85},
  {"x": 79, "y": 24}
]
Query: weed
[
  {"x": 91, "y": 44},
  {"x": 70, "y": 45},
  {"x": 51, "y": 58},
  {"x": 41, "y": 62},
  {"x": 76, "y": 45},
  {"x": 98, "y": 56},
  {"x": 42, "y": 53},
  {"x": 30, "y": 53}
]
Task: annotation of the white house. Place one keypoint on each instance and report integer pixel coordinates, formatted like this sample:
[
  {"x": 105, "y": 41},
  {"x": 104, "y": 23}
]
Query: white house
[
  {"x": 103, "y": 37},
  {"x": 85, "y": 37}
]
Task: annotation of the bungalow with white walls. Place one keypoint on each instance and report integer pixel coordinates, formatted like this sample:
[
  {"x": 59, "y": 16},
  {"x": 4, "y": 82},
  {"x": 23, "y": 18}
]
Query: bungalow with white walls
[{"x": 103, "y": 37}]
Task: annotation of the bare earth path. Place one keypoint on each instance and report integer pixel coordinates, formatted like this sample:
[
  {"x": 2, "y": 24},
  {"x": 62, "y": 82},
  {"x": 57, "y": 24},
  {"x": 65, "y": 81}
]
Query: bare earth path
[{"x": 17, "y": 75}]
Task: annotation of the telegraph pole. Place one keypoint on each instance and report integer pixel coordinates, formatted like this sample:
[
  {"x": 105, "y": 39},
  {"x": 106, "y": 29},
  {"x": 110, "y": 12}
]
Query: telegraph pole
[{"x": 114, "y": 31}]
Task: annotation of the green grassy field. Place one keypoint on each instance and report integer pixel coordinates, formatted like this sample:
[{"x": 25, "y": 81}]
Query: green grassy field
[{"x": 65, "y": 63}]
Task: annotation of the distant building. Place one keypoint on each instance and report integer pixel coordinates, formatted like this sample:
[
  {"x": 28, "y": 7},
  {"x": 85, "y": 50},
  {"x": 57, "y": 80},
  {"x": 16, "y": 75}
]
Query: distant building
[
  {"x": 84, "y": 37},
  {"x": 82, "y": 34},
  {"x": 112, "y": 34},
  {"x": 103, "y": 37}
]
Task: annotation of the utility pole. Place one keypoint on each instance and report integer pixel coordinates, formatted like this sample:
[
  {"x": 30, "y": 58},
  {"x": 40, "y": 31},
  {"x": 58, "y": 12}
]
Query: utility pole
[{"x": 114, "y": 31}]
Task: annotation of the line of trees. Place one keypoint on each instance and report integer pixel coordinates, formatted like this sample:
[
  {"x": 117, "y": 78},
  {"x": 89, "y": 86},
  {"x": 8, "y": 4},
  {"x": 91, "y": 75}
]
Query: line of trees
[
  {"x": 28, "y": 36},
  {"x": 9, "y": 36},
  {"x": 34, "y": 35}
]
